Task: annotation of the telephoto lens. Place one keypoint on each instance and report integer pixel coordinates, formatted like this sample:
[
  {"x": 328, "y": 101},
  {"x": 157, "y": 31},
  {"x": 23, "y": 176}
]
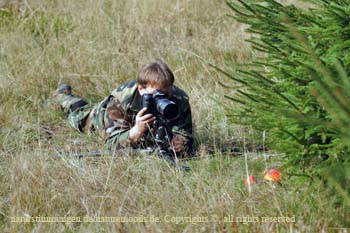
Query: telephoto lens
[
  {"x": 167, "y": 108},
  {"x": 158, "y": 104}
]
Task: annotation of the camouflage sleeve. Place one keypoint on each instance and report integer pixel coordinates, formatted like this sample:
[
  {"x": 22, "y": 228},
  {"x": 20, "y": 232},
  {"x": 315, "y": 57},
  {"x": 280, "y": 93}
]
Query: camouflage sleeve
[
  {"x": 119, "y": 122},
  {"x": 184, "y": 128},
  {"x": 118, "y": 136},
  {"x": 117, "y": 131}
]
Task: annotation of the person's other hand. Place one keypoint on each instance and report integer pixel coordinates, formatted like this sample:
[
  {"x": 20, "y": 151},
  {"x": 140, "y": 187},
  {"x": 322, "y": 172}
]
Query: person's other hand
[
  {"x": 178, "y": 143},
  {"x": 141, "y": 125}
]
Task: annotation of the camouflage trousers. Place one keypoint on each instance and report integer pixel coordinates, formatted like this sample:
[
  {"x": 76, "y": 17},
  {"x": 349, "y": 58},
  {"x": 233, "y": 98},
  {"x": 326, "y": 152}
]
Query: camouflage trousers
[{"x": 89, "y": 118}]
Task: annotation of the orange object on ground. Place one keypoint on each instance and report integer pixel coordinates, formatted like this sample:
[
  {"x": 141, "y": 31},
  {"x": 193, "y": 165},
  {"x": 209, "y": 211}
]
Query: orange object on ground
[{"x": 273, "y": 175}]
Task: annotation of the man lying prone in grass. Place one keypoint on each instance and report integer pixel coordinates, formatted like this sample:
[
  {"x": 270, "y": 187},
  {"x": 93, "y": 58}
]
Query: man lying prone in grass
[{"x": 148, "y": 113}]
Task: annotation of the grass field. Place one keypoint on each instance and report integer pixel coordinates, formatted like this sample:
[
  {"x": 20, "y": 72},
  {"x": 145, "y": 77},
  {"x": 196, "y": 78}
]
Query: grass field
[{"x": 95, "y": 46}]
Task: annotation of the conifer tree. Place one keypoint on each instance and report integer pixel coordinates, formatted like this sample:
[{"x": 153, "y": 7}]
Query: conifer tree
[{"x": 298, "y": 88}]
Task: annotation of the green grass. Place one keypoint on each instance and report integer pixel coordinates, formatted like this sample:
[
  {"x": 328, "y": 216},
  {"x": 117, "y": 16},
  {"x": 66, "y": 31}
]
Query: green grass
[{"x": 95, "y": 46}]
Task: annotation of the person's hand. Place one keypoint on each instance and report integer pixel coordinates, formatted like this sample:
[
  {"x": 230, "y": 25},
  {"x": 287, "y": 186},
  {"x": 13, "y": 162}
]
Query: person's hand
[
  {"x": 141, "y": 125},
  {"x": 178, "y": 143}
]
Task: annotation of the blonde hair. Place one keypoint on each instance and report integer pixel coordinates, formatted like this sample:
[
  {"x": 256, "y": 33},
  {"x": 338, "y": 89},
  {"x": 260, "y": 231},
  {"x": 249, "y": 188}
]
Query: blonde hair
[{"x": 156, "y": 73}]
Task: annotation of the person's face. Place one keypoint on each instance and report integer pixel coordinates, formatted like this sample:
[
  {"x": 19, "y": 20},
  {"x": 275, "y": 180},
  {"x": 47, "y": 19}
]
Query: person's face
[{"x": 150, "y": 89}]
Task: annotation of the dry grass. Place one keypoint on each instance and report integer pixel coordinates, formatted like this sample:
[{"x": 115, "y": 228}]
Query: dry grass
[
  {"x": 146, "y": 186},
  {"x": 95, "y": 46}
]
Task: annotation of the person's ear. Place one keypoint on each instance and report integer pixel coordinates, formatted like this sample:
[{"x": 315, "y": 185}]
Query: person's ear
[{"x": 140, "y": 89}]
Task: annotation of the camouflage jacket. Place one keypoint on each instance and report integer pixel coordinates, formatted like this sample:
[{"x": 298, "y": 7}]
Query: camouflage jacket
[{"x": 119, "y": 112}]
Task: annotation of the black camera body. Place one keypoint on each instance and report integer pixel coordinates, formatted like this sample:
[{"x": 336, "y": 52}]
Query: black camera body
[
  {"x": 158, "y": 104},
  {"x": 165, "y": 110}
]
